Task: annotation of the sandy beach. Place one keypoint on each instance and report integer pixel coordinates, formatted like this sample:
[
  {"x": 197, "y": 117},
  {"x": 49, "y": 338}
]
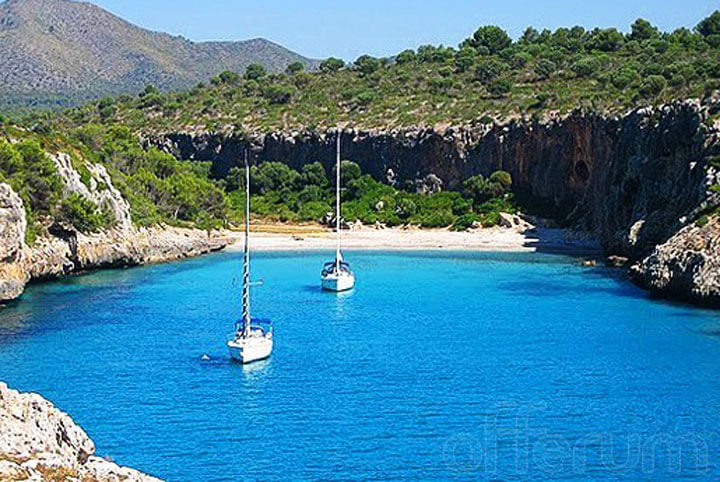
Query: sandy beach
[{"x": 285, "y": 237}]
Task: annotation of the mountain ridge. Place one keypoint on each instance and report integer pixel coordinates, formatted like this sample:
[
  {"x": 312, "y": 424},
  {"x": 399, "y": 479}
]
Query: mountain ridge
[{"x": 63, "y": 51}]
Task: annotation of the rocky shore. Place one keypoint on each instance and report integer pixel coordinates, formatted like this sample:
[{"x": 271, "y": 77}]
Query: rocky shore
[
  {"x": 39, "y": 442},
  {"x": 67, "y": 251},
  {"x": 64, "y": 250}
]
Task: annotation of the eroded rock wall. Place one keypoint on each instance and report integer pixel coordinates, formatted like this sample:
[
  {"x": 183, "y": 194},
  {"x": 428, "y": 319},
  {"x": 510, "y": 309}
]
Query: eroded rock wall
[{"x": 632, "y": 180}]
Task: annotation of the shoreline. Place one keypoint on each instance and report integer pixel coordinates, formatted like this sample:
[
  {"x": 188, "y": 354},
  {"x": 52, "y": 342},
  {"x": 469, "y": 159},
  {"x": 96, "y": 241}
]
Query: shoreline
[{"x": 300, "y": 238}]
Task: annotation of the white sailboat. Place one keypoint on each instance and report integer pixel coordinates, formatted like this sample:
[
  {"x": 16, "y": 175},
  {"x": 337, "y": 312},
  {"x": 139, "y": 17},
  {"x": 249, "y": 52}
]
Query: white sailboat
[
  {"x": 337, "y": 275},
  {"x": 253, "y": 337}
]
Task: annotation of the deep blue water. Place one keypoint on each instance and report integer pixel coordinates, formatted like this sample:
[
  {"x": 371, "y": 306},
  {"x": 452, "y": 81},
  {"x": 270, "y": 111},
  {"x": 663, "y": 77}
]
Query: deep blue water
[{"x": 466, "y": 366}]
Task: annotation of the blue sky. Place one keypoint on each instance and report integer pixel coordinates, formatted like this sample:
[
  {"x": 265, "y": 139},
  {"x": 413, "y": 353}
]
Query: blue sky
[{"x": 347, "y": 29}]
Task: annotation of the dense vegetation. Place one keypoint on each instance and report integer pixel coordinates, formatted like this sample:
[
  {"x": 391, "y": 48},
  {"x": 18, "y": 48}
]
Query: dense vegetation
[
  {"x": 488, "y": 77},
  {"x": 282, "y": 194},
  {"x": 158, "y": 187}
]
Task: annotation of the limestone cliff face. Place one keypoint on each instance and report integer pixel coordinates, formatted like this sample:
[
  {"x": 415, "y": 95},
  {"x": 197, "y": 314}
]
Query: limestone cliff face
[
  {"x": 633, "y": 181},
  {"x": 12, "y": 240},
  {"x": 99, "y": 190},
  {"x": 39, "y": 442}
]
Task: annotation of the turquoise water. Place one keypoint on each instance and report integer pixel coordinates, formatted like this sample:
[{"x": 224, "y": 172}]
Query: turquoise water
[{"x": 439, "y": 366}]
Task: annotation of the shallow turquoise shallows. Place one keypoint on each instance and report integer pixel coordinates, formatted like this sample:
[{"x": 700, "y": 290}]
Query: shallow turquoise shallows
[{"x": 439, "y": 365}]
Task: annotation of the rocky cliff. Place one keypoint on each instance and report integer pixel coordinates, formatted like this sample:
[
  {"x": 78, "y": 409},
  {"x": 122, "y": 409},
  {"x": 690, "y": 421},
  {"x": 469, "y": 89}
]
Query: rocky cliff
[
  {"x": 66, "y": 250},
  {"x": 633, "y": 180},
  {"x": 39, "y": 442}
]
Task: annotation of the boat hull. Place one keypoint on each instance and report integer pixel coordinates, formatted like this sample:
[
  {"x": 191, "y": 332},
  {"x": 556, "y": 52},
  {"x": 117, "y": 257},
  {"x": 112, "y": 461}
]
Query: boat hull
[
  {"x": 338, "y": 284},
  {"x": 250, "y": 350}
]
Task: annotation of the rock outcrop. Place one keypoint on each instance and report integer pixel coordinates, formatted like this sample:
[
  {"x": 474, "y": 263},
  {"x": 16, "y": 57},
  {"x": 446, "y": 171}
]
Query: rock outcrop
[
  {"x": 98, "y": 190},
  {"x": 687, "y": 266},
  {"x": 633, "y": 181},
  {"x": 39, "y": 442}
]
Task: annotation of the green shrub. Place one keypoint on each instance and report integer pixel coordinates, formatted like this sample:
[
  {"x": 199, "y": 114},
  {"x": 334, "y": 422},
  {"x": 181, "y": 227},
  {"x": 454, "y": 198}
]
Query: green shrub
[
  {"x": 313, "y": 174},
  {"x": 279, "y": 93},
  {"x": 500, "y": 87},
  {"x": 406, "y": 56},
  {"x": 405, "y": 208},
  {"x": 710, "y": 25},
  {"x": 83, "y": 214},
  {"x": 490, "y": 38},
  {"x": 653, "y": 86},
  {"x": 438, "y": 219},
  {"x": 311, "y": 193},
  {"x": 545, "y": 68},
  {"x": 294, "y": 68},
  {"x": 331, "y": 64},
  {"x": 314, "y": 211},
  {"x": 464, "y": 222},
  {"x": 367, "y": 65},
  {"x": 503, "y": 178},
  {"x": 255, "y": 72},
  {"x": 226, "y": 77},
  {"x": 586, "y": 67},
  {"x": 488, "y": 70}
]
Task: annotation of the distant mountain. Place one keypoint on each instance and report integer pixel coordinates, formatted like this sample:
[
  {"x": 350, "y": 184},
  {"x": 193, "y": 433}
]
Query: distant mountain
[{"x": 61, "y": 52}]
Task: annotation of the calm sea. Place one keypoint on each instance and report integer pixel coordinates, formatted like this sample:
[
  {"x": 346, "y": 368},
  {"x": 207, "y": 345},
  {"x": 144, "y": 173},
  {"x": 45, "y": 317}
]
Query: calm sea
[{"x": 438, "y": 366}]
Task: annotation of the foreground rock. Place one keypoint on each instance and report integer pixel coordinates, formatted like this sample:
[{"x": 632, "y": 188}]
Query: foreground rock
[
  {"x": 39, "y": 442},
  {"x": 687, "y": 266}
]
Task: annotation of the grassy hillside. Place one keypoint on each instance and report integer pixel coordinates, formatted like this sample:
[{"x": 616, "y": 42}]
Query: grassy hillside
[{"x": 487, "y": 77}]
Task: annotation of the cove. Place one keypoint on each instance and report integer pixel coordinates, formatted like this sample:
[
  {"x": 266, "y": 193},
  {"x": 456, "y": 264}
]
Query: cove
[{"x": 439, "y": 365}]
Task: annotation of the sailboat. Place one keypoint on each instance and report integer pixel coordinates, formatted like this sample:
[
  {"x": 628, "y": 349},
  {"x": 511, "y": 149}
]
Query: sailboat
[
  {"x": 337, "y": 275},
  {"x": 253, "y": 337}
]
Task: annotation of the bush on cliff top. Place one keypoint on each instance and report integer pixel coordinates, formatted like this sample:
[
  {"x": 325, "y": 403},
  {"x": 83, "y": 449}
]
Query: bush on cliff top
[
  {"x": 488, "y": 73},
  {"x": 29, "y": 171},
  {"x": 158, "y": 186},
  {"x": 84, "y": 215}
]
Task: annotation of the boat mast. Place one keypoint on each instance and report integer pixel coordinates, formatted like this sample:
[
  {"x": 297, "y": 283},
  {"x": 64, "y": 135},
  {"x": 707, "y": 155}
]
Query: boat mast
[
  {"x": 246, "y": 262},
  {"x": 338, "y": 254}
]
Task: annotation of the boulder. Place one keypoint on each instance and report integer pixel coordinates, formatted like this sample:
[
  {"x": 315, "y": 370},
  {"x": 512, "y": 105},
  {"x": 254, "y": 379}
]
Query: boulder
[
  {"x": 513, "y": 221},
  {"x": 616, "y": 261},
  {"x": 687, "y": 266},
  {"x": 430, "y": 184}
]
